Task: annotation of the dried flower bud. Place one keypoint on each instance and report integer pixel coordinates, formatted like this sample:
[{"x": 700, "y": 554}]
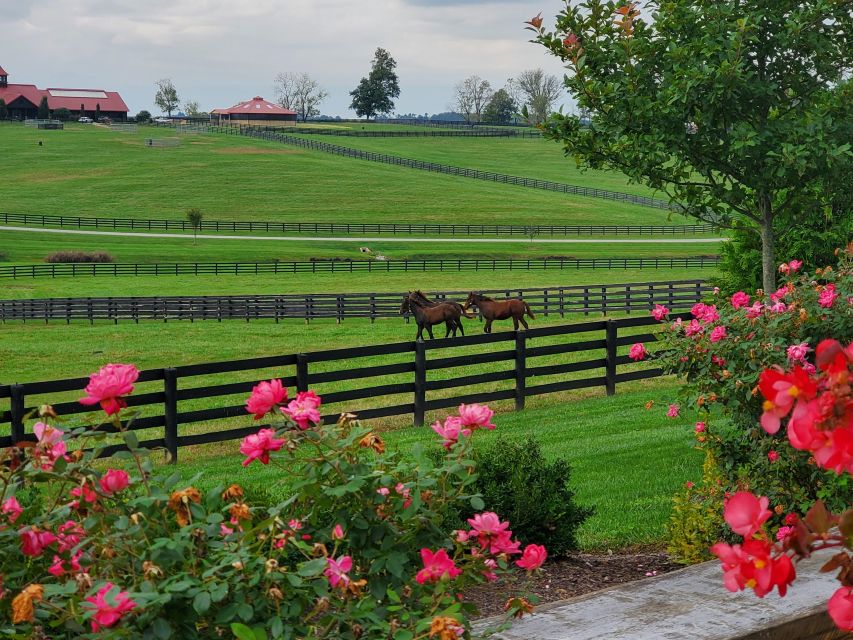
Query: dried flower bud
[
  {"x": 237, "y": 565},
  {"x": 274, "y": 593},
  {"x": 151, "y": 570},
  {"x": 319, "y": 549},
  {"x": 271, "y": 565},
  {"x": 47, "y": 411},
  {"x": 240, "y": 511},
  {"x": 136, "y": 518},
  {"x": 22, "y": 605},
  {"x": 372, "y": 441},
  {"x": 234, "y": 492},
  {"x": 520, "y": 605},
  {"x": 779, "y": 509},
  {"x": 84, "y": 581}
]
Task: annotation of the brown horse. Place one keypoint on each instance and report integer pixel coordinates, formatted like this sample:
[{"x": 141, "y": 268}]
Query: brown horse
[
  {"x": 420, "y": 295},
  {"x": 491, "y": 309},
  {"x": 427, "y": 316}
]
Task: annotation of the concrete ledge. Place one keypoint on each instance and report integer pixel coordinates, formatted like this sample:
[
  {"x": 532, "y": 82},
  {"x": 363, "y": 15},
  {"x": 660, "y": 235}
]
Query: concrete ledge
[{"x": 689, "y": 603}]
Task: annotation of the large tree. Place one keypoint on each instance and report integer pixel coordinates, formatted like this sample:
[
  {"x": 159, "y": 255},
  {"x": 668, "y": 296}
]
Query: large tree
[
  {"x": 375, "y": 94},
  {"x": 539, "y": 92},
  {"x": 471, "y": 96},
  {"x": 501, "y": 108},
  {"x": 4, "y": 110},
  {"x": 300, "y": 93},
  {"x": 44, "y": 110},
  {"x": 167, "y": 96},
  {"x": 738, "y": 109}
]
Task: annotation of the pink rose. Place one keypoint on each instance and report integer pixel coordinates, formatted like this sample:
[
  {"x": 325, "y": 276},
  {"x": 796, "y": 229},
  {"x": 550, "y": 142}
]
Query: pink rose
[
  {"x": 337, "y": 571},
  {"x": 797, "y": 352},
  {"x": 673, "y": 410},
  {"x": 637, "y": 352},
  {"x": 841, "y": 608},
  {"x": 784, "y": 268},
  {"x": 745, "y": 513},
  {"x": 794, "y": 265},
  {"x": 437, "y": 566},
  {"x": 693, "y": 329},
  {"x": 34, "y": 541},
  {"x": 47, "y": 435},
  {"x": 107, "y": 611},
  {"x": 476, "y": 416},
  {"x": 755, "y": 310},
  {"x": 113, "y": 481},
  {"x": 740, "y": 299},
  {"x": 265, "y": 396},
  {"x": 491, "y": 534},
  {"x": 58, "y": 569},
  {"x": 383, "y": 491},
  {"x": 827, "y": 296},
  {"x": 533, "y": 557},
  {"x": 784, "y": 532},
  {"x": 259, "y": 445},
  {"x": 700, "y": 427},
  {"x": 773, "y": 456},
  {"x": 109, "y": 385},
  {"x": 689, "y": 484},
  {"x": 11, "y": 508},
  {"x": 718, "y": 333},
  {"x": 69, "y": 535},
  {"x": 779, "y": 307},
  {"x": 338, "y": 532},
  {"x": 450, "y": 431},
  {"x": 304, "y": 410},
  {"x": 660, "y": 312}
]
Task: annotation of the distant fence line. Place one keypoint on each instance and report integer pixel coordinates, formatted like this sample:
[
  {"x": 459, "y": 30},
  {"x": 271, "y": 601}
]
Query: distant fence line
[
  {"x": 351, "y": 228},
  {"x": 333, "y": 265},
  {"x": 629, "y": 297},
  {"x": 367, "y": 133},
  {"x": 413, "y": 381},
  {"x": 547, "y": 185}
]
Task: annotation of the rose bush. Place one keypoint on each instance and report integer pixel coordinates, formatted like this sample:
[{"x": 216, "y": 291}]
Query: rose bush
[
  {"x": 357, "y": 550},
  {"x": 720, "y": 351}
]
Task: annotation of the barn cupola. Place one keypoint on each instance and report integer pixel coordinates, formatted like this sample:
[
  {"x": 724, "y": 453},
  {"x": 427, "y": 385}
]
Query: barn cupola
[{"x": 4, "y": 78}]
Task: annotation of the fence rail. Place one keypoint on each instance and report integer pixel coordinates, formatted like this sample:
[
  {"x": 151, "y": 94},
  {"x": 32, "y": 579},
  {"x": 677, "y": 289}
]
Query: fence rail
[
  {"x": 351, "y": 228},
  {"x": 332, "y": 265},
  {"x": 547, "y": 302},
  {"x": 547, "y": 185},
  {"x": 413, "y": 379},
  {"x": 355, "y": 133}
]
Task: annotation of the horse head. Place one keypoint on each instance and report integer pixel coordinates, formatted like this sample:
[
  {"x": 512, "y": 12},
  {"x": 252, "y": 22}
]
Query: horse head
[
  {"x": 406, "y": 306},
  {"x": 471, "y": 299}
]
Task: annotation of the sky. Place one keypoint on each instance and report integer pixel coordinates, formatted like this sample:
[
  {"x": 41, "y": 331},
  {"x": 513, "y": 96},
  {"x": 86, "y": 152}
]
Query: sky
[{"x": 220, "y": 52}]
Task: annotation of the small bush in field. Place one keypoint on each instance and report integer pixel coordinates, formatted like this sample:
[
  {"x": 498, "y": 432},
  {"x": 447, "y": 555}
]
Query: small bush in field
[
  {"x": 515, "y": 479},
  {"x": 79, "y": 256}
]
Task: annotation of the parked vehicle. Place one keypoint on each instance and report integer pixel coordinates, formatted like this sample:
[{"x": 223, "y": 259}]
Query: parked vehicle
[
  {"x": 162, "y": 120},
  {"x": 85, "y": 120}
]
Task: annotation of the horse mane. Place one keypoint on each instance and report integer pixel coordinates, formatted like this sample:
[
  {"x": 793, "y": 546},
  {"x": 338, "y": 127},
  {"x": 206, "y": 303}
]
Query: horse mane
[{"x": 482, "y": 297}]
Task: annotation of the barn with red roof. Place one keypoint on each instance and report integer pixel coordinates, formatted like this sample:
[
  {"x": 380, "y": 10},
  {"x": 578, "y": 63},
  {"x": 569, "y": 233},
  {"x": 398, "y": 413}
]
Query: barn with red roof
[
  {"x": 254, "y": 111},
  {"x": 23, "y": 100}
]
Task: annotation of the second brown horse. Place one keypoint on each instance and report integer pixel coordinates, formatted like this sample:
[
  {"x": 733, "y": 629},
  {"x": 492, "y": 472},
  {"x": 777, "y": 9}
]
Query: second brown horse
[{"x": 492, "y": 309}]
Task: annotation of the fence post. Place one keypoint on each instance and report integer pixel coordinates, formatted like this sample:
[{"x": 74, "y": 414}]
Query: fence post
[
  {"x": 170, "y": 391},
  {"x": 520, "y": 369},
  {"x": 17, "y": 412},
  {"x": 420, "y": 383},
  {"x": 610, "y": 358},
  {"x": 301, "y": 372}
]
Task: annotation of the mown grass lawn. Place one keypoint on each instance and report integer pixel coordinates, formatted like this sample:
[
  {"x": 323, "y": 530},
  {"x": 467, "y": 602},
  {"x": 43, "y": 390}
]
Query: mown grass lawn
[{"x": 89, "y": 170}]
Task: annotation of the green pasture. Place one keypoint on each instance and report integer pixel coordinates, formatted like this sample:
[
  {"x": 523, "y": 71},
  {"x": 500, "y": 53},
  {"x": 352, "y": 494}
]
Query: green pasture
[
  {"x": 89, "y": 170},
  {"x": 527, "y": 157},
  {"x": 329, "y": 282}
]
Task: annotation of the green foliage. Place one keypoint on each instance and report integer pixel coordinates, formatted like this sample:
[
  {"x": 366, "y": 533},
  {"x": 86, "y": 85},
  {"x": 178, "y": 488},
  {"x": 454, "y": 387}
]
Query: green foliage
[
  {"x": 737, "y": 109},
  {"x": 813, "y": 241},
  {"x": 194, "y": 217},
  {"x": 375, "y": 94},
  {"x": 167, "y": 96},
  {"x": 720, "y": 383},
  {"x": 44, "y": 109},
  {"x": 4, "y": 110},
  {"x": 143, "y": 117},
  {"x": 696, "y": 521},
  {"x": 62, "y": 114},
  {"x": 535, "y": 495},
  {"x": 500, "y": 109}
]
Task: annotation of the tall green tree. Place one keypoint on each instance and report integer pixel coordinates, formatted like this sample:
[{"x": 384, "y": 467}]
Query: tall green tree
[
  {"x": 375, "y": 94},
  {"x": 738, "y": 109},
  {"x": 4, "y": 110},
  {"x": 44, "y": 110},
  {"x": 167, "y": 96},
  {"x": 501, "y": 108}
]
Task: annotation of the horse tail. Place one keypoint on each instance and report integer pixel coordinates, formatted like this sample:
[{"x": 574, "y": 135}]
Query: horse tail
[
  {"x": 468, "y": 314},
  {"x": 527, "y": 308}
]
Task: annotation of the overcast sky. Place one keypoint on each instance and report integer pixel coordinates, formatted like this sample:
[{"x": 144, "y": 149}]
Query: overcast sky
[{"x": 220, "y": 52}]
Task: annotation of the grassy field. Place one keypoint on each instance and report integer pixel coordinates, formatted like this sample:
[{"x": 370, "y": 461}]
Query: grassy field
[
  {"x": 89, "y": 170},
  {"x": 533, "y": 157}
]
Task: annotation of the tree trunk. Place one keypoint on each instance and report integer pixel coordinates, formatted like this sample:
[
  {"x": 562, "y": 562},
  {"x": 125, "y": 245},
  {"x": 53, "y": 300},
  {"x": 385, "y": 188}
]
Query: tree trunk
[{"x": 768, "y": 245}]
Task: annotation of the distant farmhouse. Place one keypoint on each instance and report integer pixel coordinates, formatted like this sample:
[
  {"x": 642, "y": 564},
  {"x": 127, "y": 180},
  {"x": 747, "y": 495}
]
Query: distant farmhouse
[
  {"x": 253, "y": 111},
  {"x": 23, "y": 100}
]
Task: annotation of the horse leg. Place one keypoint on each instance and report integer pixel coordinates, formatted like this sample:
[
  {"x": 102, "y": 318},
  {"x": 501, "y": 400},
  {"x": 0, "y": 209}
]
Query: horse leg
[
  {"x": 429, "y": 330},
  {"x": 448, "y": 327},
  {"x": 420, "y": 331},
  {"x": 488, "y": 327},
  {"x": 459, "y": 324},
  {"x": 524, "y": 322},
  {"x": 515, "y": 323}
]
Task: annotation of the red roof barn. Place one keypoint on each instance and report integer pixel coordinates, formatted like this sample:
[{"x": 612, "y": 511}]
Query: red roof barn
[
  {"x": 23, "y": 100},
  {"x": 255, "y": 110}
]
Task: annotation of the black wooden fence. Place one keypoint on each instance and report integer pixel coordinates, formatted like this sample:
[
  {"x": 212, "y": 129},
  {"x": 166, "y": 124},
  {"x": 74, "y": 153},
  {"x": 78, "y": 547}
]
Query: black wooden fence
[
  {"x": 352, "y": 228},
  {"x": 480, "y": 132},
  {"x": 256, "y": 132},
  {"x": 547, "y": 302},
  {"x": 83, "y": 269},
  {"x": 414, "y": 379}
]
